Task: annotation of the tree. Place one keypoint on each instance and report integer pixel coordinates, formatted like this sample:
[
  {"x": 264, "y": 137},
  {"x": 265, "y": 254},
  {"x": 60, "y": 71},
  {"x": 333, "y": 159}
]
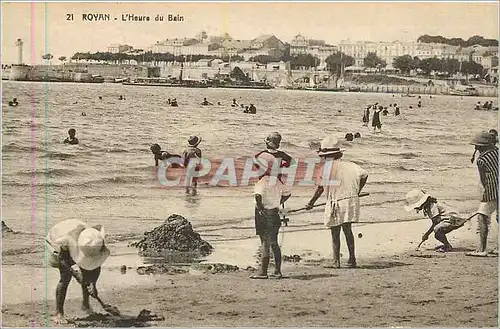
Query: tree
[
  {"x": 263, "y": 59},
  {"x": 474, "y": 40},
  {"x": 306, "y": 61},
  {"x": 234, "y": 58},
  {"x": 62, "y": 58},
  {"x": 48, "y": 57},
  {"x": 430, "y": 64},
  {"x": 451, "y": 65},
  {"x": 373, "y": 61},
  {"x": 404, "y": 63},
  {"x": 336, "y": 61},
  {"x": 471, "y": 67}
]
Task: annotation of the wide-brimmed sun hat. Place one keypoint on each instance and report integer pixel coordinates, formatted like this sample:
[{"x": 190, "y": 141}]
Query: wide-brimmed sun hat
[
  {"x": 329, "y": 145},
  {"x": 88, "y": 249},
  {"x": 273, "y": 140},
  {"x": 483, "y": 139},
  {"x": 194, "y": 141},
  {"x": 415, "y": 198}
]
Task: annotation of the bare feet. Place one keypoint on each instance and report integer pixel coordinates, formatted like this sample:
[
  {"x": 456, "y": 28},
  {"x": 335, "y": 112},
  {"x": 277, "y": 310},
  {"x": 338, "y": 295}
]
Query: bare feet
[
  {"x": 87, "y": 309},
  {"x": 335, "y": 264},
  {"x": 60, "y": 319}
]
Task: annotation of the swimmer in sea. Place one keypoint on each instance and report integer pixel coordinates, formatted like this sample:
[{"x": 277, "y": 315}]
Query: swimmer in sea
[
  {"x": 72, "y": 140},
  {"x": 205, "y": 102},
  {"x": 13, "y": 102}
]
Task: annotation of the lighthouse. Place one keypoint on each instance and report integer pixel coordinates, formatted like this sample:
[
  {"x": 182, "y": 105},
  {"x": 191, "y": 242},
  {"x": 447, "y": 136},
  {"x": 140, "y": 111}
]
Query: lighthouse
[
  {"x": 19, "y": 71},
  {"x": 19, "y": 45}
]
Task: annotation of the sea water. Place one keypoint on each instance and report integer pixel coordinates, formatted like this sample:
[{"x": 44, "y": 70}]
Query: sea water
[{"x": 109, "y": 177}]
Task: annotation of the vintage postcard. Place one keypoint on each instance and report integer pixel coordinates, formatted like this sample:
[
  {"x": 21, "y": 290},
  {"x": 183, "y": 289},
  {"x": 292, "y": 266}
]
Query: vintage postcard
[{"x": 250, "y": 164}]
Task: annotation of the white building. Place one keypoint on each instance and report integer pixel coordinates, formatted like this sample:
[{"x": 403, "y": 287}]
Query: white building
[
  {"x": 182, "y": 46},
  {"x": 300, "y": 45},
  {"x": 386, "y": 51},
  {"x": 116, "y": 48}
]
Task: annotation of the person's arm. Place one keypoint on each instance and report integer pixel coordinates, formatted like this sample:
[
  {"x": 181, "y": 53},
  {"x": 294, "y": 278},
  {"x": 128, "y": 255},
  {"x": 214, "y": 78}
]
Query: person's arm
[
  {"x": 156, "y": 160},
  {"x": 66, "y": 141},
  {"x": 482, "y": 171},
  {"x": 317, "y": 194},
  {"x": 287, "y": 158},
  {"x": 362, "y": 182},
  {"x": 90, "y": 280},
  {"x": 284, "y": 198},
  {"x": 431, "y": 229},
  {"x": 259, "y": 205}
]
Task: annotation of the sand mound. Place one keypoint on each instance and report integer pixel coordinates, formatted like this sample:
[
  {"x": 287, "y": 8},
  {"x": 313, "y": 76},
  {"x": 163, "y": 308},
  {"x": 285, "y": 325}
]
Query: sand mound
[
  {"x": 98, "y": 320},
  {"x": 175, "y": 234}
]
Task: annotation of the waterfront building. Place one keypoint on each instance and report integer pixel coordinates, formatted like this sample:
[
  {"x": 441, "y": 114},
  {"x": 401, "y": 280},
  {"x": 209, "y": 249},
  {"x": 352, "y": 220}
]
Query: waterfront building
[
  {"x": 300, "y": 45},
  {"x": 116, "y": 48},
  {"x": 178, "y": 46}
]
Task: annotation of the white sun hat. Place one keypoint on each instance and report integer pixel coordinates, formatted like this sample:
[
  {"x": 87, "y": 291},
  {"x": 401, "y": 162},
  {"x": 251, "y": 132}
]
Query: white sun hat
[
  {"x": 415, "y": 198},
  {"x": 88, "y": 249},
  {"x": 330, "y": 145}
]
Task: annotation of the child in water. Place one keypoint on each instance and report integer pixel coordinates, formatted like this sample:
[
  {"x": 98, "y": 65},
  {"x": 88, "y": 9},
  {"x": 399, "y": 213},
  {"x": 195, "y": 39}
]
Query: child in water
[
  {"x": 444, "y": 219},
  {"x": 163, "y": 155},
  {"x": 72, "y": 140},
  {"x": 192, "y": 153}
]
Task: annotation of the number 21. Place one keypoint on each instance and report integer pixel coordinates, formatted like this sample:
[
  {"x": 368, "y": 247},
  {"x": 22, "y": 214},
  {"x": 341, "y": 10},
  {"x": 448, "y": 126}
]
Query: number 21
[{"x": 69, "y": 17}]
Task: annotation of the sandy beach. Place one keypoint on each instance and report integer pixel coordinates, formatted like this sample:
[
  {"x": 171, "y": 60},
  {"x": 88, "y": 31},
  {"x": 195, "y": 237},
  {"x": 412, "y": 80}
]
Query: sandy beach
[{"x": 408, "y": 289}]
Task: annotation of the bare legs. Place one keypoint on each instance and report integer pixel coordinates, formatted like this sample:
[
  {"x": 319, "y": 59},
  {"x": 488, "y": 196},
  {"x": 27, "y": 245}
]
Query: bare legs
[
  {"x": 269, "y": 241},
  {"x": 349, "y": 237},
  {"x": 483, "y": 232}
]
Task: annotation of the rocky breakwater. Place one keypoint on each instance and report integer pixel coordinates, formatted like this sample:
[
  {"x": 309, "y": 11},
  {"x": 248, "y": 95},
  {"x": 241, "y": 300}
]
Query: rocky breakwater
[{"x": 175, "y": 234}]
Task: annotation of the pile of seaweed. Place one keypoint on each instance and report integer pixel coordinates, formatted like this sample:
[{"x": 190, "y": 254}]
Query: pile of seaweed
[{"x": 175, "y": 234}]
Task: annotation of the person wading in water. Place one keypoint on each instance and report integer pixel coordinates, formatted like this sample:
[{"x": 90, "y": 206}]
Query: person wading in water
[{"x": 192, "y": 153}]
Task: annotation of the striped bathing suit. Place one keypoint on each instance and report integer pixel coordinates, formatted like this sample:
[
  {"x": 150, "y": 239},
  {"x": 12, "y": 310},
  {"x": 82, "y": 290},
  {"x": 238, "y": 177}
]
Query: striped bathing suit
[{"x": 487, "y": 164}]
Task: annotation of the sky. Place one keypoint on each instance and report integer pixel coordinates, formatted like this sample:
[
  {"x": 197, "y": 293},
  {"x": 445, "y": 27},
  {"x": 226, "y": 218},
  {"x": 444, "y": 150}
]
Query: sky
[{"x": 44, "y": 27}]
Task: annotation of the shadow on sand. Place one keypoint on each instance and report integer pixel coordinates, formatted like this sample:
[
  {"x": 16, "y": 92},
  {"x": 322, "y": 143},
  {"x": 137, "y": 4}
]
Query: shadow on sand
[
  {"x": 379, "y": 265},
  {"x": 311, "y": 276},
  {"x": 124, "y": 321}
]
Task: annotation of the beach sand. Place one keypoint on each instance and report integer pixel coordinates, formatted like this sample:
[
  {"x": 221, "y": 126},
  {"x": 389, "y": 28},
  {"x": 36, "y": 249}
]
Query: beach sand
[{"x": 410, "y": 288}]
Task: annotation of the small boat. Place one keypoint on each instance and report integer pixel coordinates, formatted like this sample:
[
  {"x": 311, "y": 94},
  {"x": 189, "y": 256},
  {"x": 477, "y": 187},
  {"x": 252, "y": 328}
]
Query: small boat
[
  {"x": 464, "y": 90},
  {"x": 161, "y": 82}
]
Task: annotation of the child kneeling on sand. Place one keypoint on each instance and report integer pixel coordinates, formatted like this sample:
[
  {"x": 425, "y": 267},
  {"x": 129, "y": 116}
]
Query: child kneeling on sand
[
  {"x": 269, "y": 196},
  {"x": 444, "y": 219}
]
